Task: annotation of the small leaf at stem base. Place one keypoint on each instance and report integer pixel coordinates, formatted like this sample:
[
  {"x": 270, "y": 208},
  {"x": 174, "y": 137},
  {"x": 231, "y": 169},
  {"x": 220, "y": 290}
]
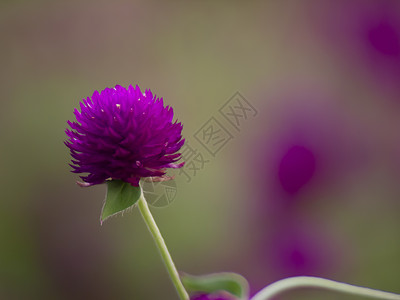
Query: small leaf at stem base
[{"x": 120, "y": 196}]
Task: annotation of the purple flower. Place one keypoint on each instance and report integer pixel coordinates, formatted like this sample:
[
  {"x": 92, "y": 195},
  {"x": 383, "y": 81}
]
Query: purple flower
[
  {"x": 123, "y": 134},
  {"x": 214, "y": 296},
  {"x": 367, "y": 39}
]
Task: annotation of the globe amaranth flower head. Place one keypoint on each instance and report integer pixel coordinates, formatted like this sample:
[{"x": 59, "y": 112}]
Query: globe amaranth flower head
[{"x": 123, "y": 134}]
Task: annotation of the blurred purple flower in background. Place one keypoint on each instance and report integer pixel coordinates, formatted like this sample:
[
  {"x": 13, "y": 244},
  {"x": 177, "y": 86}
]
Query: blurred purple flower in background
[
  {"x": 384, "y": 37},
  {"x": 313, "y": 148},
  {"x": 297, "y": 249},
  {"x": 296, "y": 168},
  {"x": 379, "y": 29},
  {"x": 366, "y": 34},
  {"x": 124, "y": 134}
]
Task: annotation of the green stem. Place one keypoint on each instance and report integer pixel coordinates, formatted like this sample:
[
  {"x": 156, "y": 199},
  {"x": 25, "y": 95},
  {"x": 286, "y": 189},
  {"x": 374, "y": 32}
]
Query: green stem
[
  {"x": 316, "y": 282},
  {"x": 162, "y": 247}
]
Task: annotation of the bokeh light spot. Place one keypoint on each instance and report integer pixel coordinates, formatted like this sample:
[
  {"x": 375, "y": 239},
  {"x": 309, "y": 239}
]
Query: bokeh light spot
[
  {"x": 296, "y": 168},
  {"x": 385, "y": 39}
]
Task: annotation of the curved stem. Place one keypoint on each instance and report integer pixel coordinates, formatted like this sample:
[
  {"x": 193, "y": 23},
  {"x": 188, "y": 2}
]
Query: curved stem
[
  {"x": 316, "y": 282},
  {"x": 162, "y": 247}
]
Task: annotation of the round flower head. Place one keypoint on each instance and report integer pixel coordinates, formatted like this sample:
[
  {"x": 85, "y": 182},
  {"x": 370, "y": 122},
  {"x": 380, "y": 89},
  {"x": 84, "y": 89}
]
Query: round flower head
[{"x": 123, "y": 134}]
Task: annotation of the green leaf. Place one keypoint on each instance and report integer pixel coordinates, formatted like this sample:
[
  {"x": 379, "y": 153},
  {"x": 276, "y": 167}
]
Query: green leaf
[
  {"x": 232, "y": 283},
  {"x": 120, "y": 196}
]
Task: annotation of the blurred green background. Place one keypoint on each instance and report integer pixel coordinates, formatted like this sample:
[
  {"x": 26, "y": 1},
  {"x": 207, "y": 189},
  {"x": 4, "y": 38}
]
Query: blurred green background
[{"x": 308, "y": 186}]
